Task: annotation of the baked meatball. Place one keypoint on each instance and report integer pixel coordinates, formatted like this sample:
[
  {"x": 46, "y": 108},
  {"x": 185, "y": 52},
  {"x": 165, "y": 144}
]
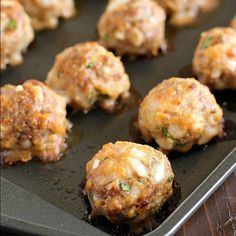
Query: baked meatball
[
  {"x": 87, "y": 74},
  {"x": 133, "y": 27},
  {"x": 128, "y": 182},
  {"x": 32, "y": 124},
  {"x": 16, "y": 32},
  {"x": 233, "y": 22},
  {"x": 214, "y": 61},
  {"x": 184, "y": 12},
  {"x": 179, "y": 113},
  {"x": 45, "y": 14}
]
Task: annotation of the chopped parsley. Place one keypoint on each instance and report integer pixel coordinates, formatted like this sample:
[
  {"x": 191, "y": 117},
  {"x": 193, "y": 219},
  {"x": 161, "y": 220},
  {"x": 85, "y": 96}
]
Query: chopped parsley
[
  {"x": 91, "y": 94},
  {"x": 165, "y": 132},
  {"x": 90, "y": 65},
  {"x": 124, "y": 186},
  {"x": 90, "y": 196},
  {"x": 170, "y": 179},
  {"x": 106, "y": 37},
  {"x": 12, "y": 24},
  {"x": 206, "y": 43}
]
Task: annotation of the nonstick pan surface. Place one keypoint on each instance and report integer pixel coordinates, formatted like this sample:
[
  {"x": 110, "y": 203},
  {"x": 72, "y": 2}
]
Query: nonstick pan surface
[{"x": 44, "y": 198}]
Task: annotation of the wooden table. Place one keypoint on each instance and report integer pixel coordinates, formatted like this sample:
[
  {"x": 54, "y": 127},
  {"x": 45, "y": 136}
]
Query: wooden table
[{"x": 217, "y": 216}]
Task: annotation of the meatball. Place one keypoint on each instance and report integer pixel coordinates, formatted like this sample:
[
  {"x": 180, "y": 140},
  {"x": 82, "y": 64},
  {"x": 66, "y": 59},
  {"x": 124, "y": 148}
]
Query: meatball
[
  {"x": 214, "y": 61},
  {"x": 184, "y": 12},
  {"x": 233, "y": 22},
  {"x": 32, "y": 124},
  {"x": 46, "y": 13},
  {"x": 179, "y": 113},
  {"x": 128, "y": 182},
  {"x": 16, "y": 32},
  {"x": 133, "y": 27},
  {"x": 87, "y": 74}
]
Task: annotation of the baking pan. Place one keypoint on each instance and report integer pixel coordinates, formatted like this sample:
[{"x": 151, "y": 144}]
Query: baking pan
[{"x": 44, "y": 199}]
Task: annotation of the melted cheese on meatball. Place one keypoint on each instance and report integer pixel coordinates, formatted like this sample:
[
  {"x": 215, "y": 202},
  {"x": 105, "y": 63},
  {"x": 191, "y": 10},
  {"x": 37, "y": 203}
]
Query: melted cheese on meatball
[
  {"x": 178, "y": 113},
  {"x": 16, "y": 33},
  {"x": 127, "y": 182},
  {"x": 214, "y": 60},
  {"x": 32, "y": 124},
  {"x": 133, "y": 27},
  {"x": 46, "y": 13},
  {"x": 87, "y": 74}
]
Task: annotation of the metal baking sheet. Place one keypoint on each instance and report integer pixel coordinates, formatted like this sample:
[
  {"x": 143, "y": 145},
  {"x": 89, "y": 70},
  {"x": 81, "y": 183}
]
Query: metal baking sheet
[{"x": 43, "y": 198}]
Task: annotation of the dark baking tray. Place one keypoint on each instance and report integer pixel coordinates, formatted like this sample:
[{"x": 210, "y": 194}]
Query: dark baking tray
[{"x": 43, "y": 198}]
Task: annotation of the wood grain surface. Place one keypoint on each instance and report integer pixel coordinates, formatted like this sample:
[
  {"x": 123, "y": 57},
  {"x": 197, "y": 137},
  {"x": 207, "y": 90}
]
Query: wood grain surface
[{"x": 217, "y": 216}]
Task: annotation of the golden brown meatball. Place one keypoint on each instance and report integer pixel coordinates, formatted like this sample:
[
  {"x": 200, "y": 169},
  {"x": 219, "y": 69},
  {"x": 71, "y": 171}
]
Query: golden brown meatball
[
  {"x": 127, "y": 182},
  {"x": 233, "y": 22},
  {"x": 46, "y": 13},
  {"x": 214, "y": 61},
  {"x": 87, "y": 74},
  {"x": 179, "y": 113},
  {"x": 33, "y": 123},
  {"x": 16, "y": 32},
  {"x": 133, "y": 27},
  {"x": 184, "y": 12}
]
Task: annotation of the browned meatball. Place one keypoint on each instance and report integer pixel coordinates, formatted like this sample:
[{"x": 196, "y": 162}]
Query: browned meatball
[
  {"x": 46, "y": 13},
  {"x": 133, "y": 27},
  {"x": 184, "y": 12},
  {"x": 179, "y": 113},
  {"x": 214, "y": 61},
  {"x": 233, "y": 22},
  {"x": 87, "y": 74},
  {"x": 33, "y": 123},
  {"x": 128, "y": 182},
  {"x": 16, "y": 32}
]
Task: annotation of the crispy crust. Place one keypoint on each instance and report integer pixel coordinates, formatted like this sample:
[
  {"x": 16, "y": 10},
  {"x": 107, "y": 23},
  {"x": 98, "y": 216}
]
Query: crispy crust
[
  {"x": 33, "y": 123},
  {"x": 87, "y": 74},
  {"x": 16, "y": 33},
  {"x": 46, "y": 14},
  {"x": 145, "y": 170},
  {"x": 215, "y": 63},
  {"x": 185, "y": 12},
  {"x": 136, "y": 27},
  {"x": 179, "y": 113}
]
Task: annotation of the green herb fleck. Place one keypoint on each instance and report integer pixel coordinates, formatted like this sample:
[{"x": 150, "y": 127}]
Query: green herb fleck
[
  {"x": 12, "y": 24},
  {"x": 91, "y": 94},
  {"x": 106, "y": 37},
  {"x": 124, "y": 187},
  {"x": 170, "y": 178},
  {"x": 105, "y": 158},
  {"x": 178, "y": 142},
  {"x": 90, "y": 196},
  {"x": 165, "y": 132},
  {"x": 206, "y": 43},
  {"x": 90, "y": 65}
]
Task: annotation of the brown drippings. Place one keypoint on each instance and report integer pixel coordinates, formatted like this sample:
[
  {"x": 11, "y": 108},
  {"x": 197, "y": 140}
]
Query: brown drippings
[
  {"x": 226, "y": 99},
  {"x": 125, "y": 230},
  {"x": 229, "y": 131},
  {"x": 124, "y": 104},
  {"x": 134, "y": 130},
  {"x": 79, "y": 7},
  {"x": 186, "y": 71}
]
